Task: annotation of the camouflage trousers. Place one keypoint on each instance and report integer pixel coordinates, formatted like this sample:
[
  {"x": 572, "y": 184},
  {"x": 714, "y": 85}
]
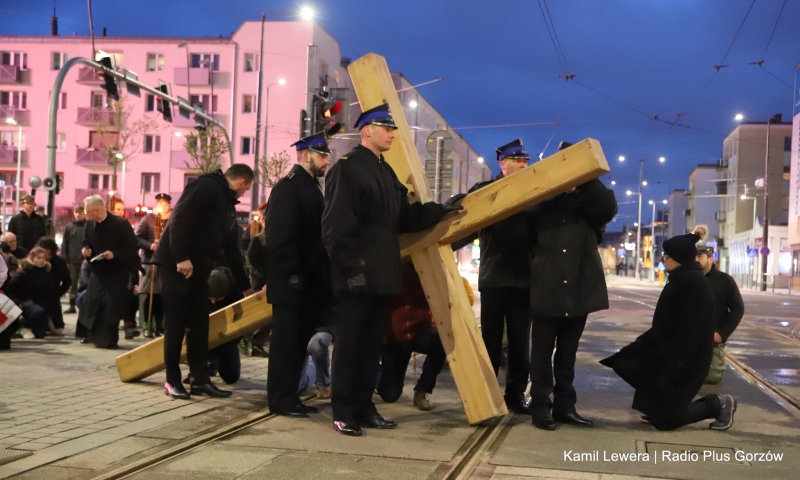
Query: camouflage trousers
[{"x": 717, "y": 364}]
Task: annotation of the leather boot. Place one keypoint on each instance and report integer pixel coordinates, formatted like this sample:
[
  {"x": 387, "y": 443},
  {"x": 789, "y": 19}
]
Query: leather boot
[{"x": 71, "y": 308}]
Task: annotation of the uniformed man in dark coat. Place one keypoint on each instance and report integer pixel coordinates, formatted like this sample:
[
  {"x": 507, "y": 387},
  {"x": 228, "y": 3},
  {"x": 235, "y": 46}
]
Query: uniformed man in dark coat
[
  {"x": 728, "y": 309},
  {"x": 297, "y": 273},
  {"x": 146, "y": 239},
  {"x": 504, "y": 281},
  {"x": 366, "y": 206},
  {"x": 668, "y": 363},
  {"x": 567, "y": 284},
  {"x": 110, "y": 246},
  {"x": 201, "y": 234}
]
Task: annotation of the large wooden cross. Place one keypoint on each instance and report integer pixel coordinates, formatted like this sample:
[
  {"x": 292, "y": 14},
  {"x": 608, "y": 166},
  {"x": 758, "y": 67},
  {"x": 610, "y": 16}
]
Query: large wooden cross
[{"x": 430, "y": 251}]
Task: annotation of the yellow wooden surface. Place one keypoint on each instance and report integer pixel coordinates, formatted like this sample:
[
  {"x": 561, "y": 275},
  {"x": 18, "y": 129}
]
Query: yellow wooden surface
[
  {"x": 241, "y": 318},
  {"x": 469, "y": 362}
]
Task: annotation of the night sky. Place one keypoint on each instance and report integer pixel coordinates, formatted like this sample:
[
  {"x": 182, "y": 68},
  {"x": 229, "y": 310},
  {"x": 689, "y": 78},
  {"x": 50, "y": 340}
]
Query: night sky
[{"x": 631, "y": 59}]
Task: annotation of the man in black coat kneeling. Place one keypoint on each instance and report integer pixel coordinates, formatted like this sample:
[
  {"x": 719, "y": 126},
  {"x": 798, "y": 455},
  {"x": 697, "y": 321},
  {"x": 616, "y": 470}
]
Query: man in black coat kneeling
[{"x": 668, "y": 363}]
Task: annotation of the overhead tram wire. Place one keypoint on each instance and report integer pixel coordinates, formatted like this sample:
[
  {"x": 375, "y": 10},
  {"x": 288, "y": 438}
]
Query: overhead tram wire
[{"x": 774, "y": 27}]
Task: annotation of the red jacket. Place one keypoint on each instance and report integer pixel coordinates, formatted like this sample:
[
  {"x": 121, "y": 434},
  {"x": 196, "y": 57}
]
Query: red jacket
[{"x": 411, "y": 314}]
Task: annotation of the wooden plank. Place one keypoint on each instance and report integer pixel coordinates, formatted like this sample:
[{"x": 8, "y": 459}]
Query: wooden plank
[
  {"x": 241, "y": 318},
  {"x": 543, "y": 180},
  {"x": 469, "y": 362}
]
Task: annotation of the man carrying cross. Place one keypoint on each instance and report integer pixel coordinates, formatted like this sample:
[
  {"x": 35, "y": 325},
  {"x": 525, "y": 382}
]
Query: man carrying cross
[{"x": 366, "y": 206}]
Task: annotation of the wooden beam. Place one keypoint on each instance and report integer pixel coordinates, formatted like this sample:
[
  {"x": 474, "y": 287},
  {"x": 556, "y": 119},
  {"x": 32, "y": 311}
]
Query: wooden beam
[
  {"x": 469, "y": 362},
  {"x": 541, "y": 181},
  {"x": 241, "y": 318}
]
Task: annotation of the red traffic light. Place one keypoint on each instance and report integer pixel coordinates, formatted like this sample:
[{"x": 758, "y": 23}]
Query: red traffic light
[{"x": 333, "y": 110}]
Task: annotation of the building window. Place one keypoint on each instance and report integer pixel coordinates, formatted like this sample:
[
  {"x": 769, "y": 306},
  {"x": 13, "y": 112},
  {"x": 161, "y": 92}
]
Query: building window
[
  {"x": 18, "y": 100},
  {"x": 787, "y": 144},
  {"x": 62, "y": 100},
  {"x": 12, "y": 139},
  {"x": 149, "y": 103},
  {"x": 8, "y": 177},
  {"x": 61, "y": 142},
  {"x": 19, "y": 59},
  {"x": 155, "y": 62},
  {"x": 189, "y": 178},
  {"x": 58, "y": 60},
  {"x": 248, "y": 102},
  {"x": 152, "y": 144},
  {"x": 209, "y": 102},
  {"x": 248, "y": 145},
  {"x": 99, "y": 181},
  {"x": 250, "y": 62},
  {"x": 198, "y": 60},
  {"x": 99, "y": 100},
  {"x": 151, "y": 182}
]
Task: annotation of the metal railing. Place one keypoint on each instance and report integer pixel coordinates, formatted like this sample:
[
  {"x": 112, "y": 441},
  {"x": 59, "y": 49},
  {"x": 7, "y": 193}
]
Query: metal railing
[{"x": 755, "y": 282}]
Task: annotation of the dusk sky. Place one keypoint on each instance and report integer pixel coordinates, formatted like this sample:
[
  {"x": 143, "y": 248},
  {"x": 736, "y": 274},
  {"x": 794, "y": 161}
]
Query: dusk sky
[{"x": 631, "y": 59}]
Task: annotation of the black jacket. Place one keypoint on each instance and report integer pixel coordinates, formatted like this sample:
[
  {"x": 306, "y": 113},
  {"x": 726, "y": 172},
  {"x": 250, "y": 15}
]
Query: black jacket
[
  {"x": 114, "y": 234},
  {"x": 146, "y": 236},
  {"x": 669, "y": 363},
  {"x": 728, "y": 303},
  {"x": 28, "y": 229},
  {"x": 59, "y": 271},
  {"x": 293, "y": 242},
  {"x": 366, "y": 207},
  {"x": 34, "y": 284},
  {"x": 505, "y": 250},
  {"x": 202, "y": 228},
  {"x": 73, "y": 242},
  {"x": 567, "y": 278}
]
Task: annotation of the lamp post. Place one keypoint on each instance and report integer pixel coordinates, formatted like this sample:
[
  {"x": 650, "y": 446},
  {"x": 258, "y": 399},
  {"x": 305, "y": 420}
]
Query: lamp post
[
  {"x": 281, "y": 82},
  {"x": 188, "y": 82},
  {"x": 169, "y": 165},
  {"x": 752, "y": 230},
  {"x": 653, "y": 236},
  {"x": 642, "y": 183},
  {"x": 11, "y": 121}
]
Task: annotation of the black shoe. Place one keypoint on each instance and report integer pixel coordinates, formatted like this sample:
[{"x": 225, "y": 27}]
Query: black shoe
[
  {"x": 187, "y": 380},
  {"x": 377, "y": 421},
  {"x": 294, "y": 411},
  {"x": 71, "y": 309},
  {"x": 131, "y": 333},
  {"x": 519, "y": 406},
  {"x": 645, "y": 419},
  {"x": 345, "y": 428},
  {"x": 211, "y": 390},
  {"x": 84, "y": 341},
  {"x": 544, "y": 422},
  {"x": 572, "y": 418},
  {"x": 307, "y": 408},
  {"x": 177, "y": 392},
  {"x": 725, "y": 418},
  {"x": 110, "y": 347}
]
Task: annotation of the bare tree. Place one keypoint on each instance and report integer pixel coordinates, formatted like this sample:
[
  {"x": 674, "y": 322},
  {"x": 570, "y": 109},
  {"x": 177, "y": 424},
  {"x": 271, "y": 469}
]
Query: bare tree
[
  {"x": 206, "y": 148},
  {"x": 269, "y": 170},
  {"x": 119, "y": 139}
]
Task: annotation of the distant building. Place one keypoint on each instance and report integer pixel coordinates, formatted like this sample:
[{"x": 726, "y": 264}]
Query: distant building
[{"x": 794, "y": 199}]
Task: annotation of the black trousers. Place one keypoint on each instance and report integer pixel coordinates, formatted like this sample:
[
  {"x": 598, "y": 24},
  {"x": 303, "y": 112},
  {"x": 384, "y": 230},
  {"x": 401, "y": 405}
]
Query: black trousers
[
  {"x": 508, "y": 307},
  {"x": 563, "y": 335},
  {"x": 394, "y": 363},
  {"x": 703, "y": 408},
  {"x": 158, "y": 310},
  {"x": 186, "y": 309},
  {"x": 361, "y": 323},
  {"x": 292, "y": 328}
]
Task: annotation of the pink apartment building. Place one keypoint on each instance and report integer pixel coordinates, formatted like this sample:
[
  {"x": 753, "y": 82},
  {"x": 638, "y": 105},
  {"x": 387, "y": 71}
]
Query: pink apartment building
[{"x": 222, "y": 74}]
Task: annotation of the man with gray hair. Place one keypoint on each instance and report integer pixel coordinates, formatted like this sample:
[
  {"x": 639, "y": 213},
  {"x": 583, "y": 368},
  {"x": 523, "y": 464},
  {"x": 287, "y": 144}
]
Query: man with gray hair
[{"x": 111, "y": 249}]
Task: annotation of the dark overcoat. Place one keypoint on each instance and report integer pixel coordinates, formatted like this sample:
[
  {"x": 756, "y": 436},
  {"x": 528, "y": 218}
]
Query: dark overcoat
[
  {"x": 668, "y": 364},
  {"x": 567, "y": 278}
]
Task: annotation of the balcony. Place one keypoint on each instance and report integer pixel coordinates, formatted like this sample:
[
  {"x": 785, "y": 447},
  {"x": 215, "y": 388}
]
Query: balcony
[
  {"x": 9, "y": 74},
  {"x": 9, "y": 155},
  {"x": 91, "y": 157},
  {"x": 719, "y": 216},
  {"x": 197, "y": 76},
  {"x": 89, "y": 76},
  {"x": 96, "y": 116},
  {"x": 22, "y": 117},
  {"x": 179, "y": 158},
  {"x": 82, "y": 194}
]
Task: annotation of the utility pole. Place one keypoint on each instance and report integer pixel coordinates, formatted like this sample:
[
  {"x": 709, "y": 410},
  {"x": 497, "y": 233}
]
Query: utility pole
[
  {"x": 91, "y": 28},
  {"x": 639, "y": 224},
  {"x": 256, "y": 186},
  {"x": 765, "y": 231}
]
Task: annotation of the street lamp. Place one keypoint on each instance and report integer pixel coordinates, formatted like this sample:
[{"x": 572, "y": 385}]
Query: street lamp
[
  {"x": 307, "y": 13},
  {"x": 739, "y": 117},
  {"x": 11, "y": 121},
  {"x": 480, "y": 159},
  {"x": 412, "y": 104},
  {"x": 188, "y": 82},
  {"x": 169, "y": 166},
  {"x": 281, "y": 82},
  {"x": 621, "y": 158},
  {"x": 752, "y": 230},
  {"x": 642, "y": 183}
]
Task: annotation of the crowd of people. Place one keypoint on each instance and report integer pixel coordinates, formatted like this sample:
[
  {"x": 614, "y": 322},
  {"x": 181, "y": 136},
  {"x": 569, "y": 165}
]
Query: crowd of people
[{"x": 331, "y": 266}]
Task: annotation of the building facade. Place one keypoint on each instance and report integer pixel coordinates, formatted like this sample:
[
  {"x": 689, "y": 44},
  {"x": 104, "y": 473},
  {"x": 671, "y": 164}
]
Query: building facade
[
  {"x": 704, "y": 200},
  {"x": 793, "y": 230},
  {"x": 677, "y": 206}
]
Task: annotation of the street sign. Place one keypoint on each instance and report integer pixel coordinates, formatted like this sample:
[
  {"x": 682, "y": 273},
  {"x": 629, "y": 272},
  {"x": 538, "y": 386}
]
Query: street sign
[
  {"x": 444, "y": 167},
  {"x": 447, "y": 143},
  {"x": 630, "y": 246},
  {"x": 752, "y": 252},
  {"x": 764, "y": 251}
]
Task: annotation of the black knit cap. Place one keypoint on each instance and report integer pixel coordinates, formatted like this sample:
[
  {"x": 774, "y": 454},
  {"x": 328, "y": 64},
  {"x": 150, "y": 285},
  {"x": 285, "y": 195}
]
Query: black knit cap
[
  {"x": 682, "y": 248},
  {"x": 218, "y": 284}
]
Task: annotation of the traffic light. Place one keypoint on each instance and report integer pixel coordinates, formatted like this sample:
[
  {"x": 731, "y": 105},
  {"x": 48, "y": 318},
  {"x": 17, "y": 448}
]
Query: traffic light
[
  {"x": 163, "y": 105},
  {"x": 109, "y": 83},
  {"x": 325, "y": 109}
]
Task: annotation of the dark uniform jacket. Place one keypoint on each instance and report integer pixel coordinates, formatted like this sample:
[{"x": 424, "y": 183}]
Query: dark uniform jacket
[
  {"x": 669, "y": 363},
  {"x": 293, "y": 242},
  {"x": 59, "y": 271},
  {"x": 505, "y": 250},
  {"x": 73, "y": 242},
  {"x": 202, "y": 228},
  {"x": 366, "y": 206},
  {"x": 34, "y": 284},
  {"x": 567, "y": 278},
  {"x": 728, "y": 304},
  {"x": 28, "y": 229},
  {"x": 146, "y": 236}
]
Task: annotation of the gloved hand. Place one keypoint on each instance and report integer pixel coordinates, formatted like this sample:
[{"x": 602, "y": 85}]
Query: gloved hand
[
  {"x": 295, "y": 282},
  {"x": 357, "y": 284},
  {"x": 452, "y": 204}
]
